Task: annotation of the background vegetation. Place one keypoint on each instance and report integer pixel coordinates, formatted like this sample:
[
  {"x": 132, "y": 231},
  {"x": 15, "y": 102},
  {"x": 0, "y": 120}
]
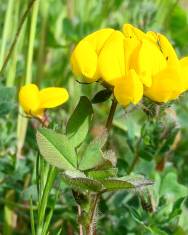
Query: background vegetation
[{"x": 41, "y": 55}]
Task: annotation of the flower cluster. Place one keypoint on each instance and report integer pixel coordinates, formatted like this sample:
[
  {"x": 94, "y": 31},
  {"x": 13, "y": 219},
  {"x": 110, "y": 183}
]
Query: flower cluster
[{"x": 134, "y": 63}]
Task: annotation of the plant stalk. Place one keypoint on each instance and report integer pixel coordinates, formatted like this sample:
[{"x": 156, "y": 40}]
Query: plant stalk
[
  {"x": 24, "y": 17},
  {"x": 111, "y": 115},
  {"x": 136, "y": 157},
  {"x": 92, "y": 214},
  {"x": 22, "y": 121},
  {"x": 6, "y": 30}
]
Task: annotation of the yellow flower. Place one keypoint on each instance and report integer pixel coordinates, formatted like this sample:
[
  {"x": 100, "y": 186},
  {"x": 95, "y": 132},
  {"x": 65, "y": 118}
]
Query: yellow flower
[
  {"x": 147, "y": 60},
  {"x": 184, "y": 72},
  {"x": 133, "y": 63},
  {"x": 155, "y": 61},
  {"x": 114, "y": 66},
  {"x": 172, "y": 80},
  {"x": 84, "y": 58},
  {"x": 129, "y": 89},
  {"x": 166, "y": 86},
  {"x": 35, "y": 101},
  {"x": 106, "y": 55}
]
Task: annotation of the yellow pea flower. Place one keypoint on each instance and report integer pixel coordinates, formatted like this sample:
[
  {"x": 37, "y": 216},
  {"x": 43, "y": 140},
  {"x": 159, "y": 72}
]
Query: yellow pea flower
[
  {"x": 114, "y": 66},
  {"x": 155, "y": 61},
  {"x": 184, "y": 71},
  {"x": 166, "y": 85},
  {"x": 84, "y": 58},
  {"x": 165, "y": 47},
  {"x": 133, "y": 32},
  {"x": 112, "y": 59},
  {"x": 146, "y": 49},
  {"x": 129, "y": 89},
  {"x": 171, "y": 81},
  {"x": 35, "y": 101}
]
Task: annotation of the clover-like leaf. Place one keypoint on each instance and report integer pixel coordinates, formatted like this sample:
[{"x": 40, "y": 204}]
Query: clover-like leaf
[
  {"x": 93, "y": 155},
  {"x": 78, "y": 180},
  {"x": 56, "y": 149},
  {"x": 102, "y": 174},
  {"x": 79, "y": 122},
  {"x": 113, "y": 184}
]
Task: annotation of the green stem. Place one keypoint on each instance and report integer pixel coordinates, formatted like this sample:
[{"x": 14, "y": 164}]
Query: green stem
[
  {"x": 31, "y": 42},
  {"x": 92, "y": 215},
  {"x": 32, "y": 218},
  {"x": 11, "y": 74},
  {"x": 80, "y": 225},
  {"x": 136, "y": 157},
  {"x": 24, "y": 17},
  {"x": 44, "y": 199},
  {"x": 111, "y": 115},
  {"x": 6, "y": 30},
  {"x": 22, "y": 121},
  {"x": 42, "y": 41}
]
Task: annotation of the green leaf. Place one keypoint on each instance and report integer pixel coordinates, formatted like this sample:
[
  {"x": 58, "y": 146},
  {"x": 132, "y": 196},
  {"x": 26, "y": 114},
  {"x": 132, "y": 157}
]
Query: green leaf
[
  {"x": 78, "y": 180},
  {"x": 101, "y": 96},
  {"x": 179, "y": 231},
  {"x": 79, "y": 122},
  {"x": 114, "y": 184},
  {"x": 157, "y": 231},
  {"x": 176, "y": 210},
  {"x": 7, "y": 96},
  {"x": 135, "y": 213},
  {"x": 171, "y": 189},
  {"x": 102, "y": 174},
  {"x": 93, "y": 156},
  {"x": 56, "y": 149}
]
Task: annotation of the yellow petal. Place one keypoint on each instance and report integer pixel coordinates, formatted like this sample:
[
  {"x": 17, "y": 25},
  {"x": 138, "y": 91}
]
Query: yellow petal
[
  {"x": 129, "y": 89},
  {"x": 148, "y": 61},
  {"x": 29, "y": 98},
  {"x": 84, "y": 61},
  {"x": 98, "y": 38},
  {"x": 167, "y": 85},
  {"x": 165, "y": 47},
  {"x": 184, "y": 71},
  {"x": 132, "y": 45},
  {"x": 133, "y": 32},
  {"x": 112, "y": 59},
  {"x": 52, "y": 97}
]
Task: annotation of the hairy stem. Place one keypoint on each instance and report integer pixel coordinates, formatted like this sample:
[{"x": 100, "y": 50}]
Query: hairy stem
[
  {"x": 92, "y": 214},
  {"x": 80, "y": 225}
]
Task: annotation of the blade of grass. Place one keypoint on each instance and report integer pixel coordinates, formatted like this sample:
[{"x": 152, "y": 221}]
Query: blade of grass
[
  {"x": 22, "y": 121},
  {"x": 32, "y": 218},
  {"x": 49, "y": 216},
  {"x": 24, "y": 17},
  {"x": 44, "y": 200},
  {"x": 42, "y": 42},
  {"x": 12, "y": 67},
  {"x": 9, "y": 214},
  {"x": 6, "y": 30}
]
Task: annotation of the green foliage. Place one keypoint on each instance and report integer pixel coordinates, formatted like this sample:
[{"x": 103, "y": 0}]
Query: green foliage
[
  {"x": 7, "y": 100},
  {"x": 101, "y": 96},
  {"x": 79, "y": 123},
  {"x": 112, "y": 184},
  {"x": 86, "y": 162},
  {"x": 93, "y": 156},
  {"x": 56, "y": 149},
  {"x": 79, "y": 181}
]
